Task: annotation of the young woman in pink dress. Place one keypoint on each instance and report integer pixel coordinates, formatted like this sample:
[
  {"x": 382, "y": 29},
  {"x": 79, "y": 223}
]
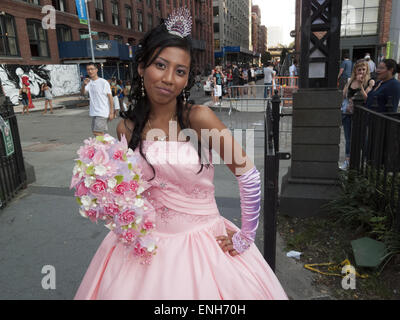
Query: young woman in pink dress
[{"x": 200, "y": 254}]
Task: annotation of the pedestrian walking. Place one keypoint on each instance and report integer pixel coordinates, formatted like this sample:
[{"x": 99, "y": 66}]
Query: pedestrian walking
[
  {"x": 23, "y": 92},
  {"x": 218, "y": 82},
  {"x": 269, "y": 78},
  {"x": 236, "y": 81},
  {"x": 345, "y": 71},
  {"x": 200, "y": 254},
  {"x": 48, "y": 97},
  {"x": 252, "y": 81},
  {"x": 101, "y": 107},
  {"x": 229, "y": 80},
  {"x": 371, "y": 64},
  {"x": 360, "y": 81}
]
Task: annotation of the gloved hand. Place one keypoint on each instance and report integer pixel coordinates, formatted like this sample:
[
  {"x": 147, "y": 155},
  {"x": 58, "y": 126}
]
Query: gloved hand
[{"x": 250, "y": 199}]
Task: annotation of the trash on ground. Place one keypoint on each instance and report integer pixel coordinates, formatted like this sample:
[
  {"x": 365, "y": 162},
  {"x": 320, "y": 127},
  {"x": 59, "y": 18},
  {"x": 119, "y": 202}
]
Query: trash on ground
[{"x": 294, "y": 254}]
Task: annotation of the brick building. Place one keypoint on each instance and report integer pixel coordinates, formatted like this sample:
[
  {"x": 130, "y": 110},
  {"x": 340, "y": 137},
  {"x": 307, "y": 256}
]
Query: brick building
[
  {"x": 365, "y": 27},
  {"x": 121, "y": 22}
]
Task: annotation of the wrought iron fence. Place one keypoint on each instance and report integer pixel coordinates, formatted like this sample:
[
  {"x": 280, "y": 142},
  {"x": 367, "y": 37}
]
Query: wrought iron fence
[
  {"x": 375, "y": 151},
  {"x": 12, "y": 169}
]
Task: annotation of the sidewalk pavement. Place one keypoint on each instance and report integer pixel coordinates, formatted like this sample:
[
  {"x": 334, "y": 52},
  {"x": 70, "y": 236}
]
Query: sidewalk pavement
[
  {"x": 58, "y": 103},
  {"x": 42, "y": 226}
]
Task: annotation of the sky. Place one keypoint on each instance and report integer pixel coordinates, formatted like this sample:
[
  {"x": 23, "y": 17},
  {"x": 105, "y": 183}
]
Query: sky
[{"x": 278, "y": 13}]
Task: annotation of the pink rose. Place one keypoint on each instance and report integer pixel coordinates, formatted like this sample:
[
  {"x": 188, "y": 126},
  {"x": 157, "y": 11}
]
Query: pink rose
[
  {"x": 100, "y": 157},
  {"x": 122, "y": 188},
  {"x": 118, "y": 155},
  {"x": 81, "y": 189},
  {"x": 86, "y": 152},
  {"x": 148, "y": 225},
  {"x": 127, "y": 217},
  {"x": 133, "y": 185},
  {"x": 92, "y": 215},
  {"x": 128, "y": 235},
  {"x": 139, "y": 250},
  {"x": 111, "y": 209},
  {"x": 98, "y": 187}
]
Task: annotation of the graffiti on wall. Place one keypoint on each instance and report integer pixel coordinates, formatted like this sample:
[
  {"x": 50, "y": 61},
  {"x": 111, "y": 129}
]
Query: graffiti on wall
[{"x": 62, "y": 79}]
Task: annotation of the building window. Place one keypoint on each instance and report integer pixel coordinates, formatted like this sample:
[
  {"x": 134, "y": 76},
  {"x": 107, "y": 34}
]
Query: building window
[
  {"x": 128, "y": 11},
  {"x": 216, "y": 27},
  {"x": 149, "y": 22},
  {"x": 216, "y": 44},
  {"x": 60, "y": 5},
  {"x": 99, "y": 5},
  {"x": 37, "y": 39},
  {"x": 119, "y": 39},
  {"x": 148, "y": 2},
  {"x": 115, "y": 13},
  {"x": 158, "y": 5},
  {"x": 168, "y": 2},
  {"x": 140, "y": 20},
  {"x": 104, "y": 36},
  {"x": 8, "y": 36},
  {"x": 32, "y": 1},
  {"x": 216, "y": 11},
  {"x": 360, "y": 17},
  {"x": 63, "y": 33}
]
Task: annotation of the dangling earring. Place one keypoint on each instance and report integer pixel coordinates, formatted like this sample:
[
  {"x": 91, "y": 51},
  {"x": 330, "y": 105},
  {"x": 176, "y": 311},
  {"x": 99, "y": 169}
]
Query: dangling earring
[
  {"x": 184, "y": 96},
  {"x": 143, "y": 93}
]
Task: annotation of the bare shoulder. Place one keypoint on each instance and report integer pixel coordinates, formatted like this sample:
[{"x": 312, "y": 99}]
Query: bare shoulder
[
  {"x": 125, "y": 127},
  {"x": 202, "y": 116}
]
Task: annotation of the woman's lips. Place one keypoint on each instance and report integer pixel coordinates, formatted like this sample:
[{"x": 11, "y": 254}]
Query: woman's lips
[{"x": 164, "y": 91}]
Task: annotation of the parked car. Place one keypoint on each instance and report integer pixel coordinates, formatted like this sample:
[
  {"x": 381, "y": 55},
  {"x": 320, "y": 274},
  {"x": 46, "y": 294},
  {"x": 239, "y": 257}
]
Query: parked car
[{"x": 208, "y": 86}]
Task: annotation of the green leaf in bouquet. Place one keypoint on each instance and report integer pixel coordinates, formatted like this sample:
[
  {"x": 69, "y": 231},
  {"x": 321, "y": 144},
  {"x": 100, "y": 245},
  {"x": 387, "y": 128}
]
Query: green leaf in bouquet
[
  {"x": 119, "y": 178},
  {"x": 78, "y": 199},
  {"x": 90, "y": 170},
  {"x": 100, "y": 138},
  {"x": 124, "y": 157},
  {"x": 79, "y": 162},
  {"x": 130, "y": 167},
  {"x": 143, "y": 232},
  {"x": 136, "y": 177}
]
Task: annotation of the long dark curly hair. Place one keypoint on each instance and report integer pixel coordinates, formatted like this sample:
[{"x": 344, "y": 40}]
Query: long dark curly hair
[{"x": 149, "y": 48}]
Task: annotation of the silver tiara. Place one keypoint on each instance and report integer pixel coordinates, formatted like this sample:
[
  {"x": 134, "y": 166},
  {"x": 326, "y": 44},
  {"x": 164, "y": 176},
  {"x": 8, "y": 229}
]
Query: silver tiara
[{"x": 179, "y": 22}]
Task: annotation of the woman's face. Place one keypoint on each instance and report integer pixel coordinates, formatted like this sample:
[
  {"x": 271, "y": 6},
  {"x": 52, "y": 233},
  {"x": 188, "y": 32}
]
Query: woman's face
[
  {"x": 361, "y": 71},
  {"x": 167, "y": 76},
  {"x": 383, "y": 72}
]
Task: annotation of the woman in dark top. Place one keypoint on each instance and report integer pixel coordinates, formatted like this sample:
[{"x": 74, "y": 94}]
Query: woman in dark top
[
  {"x": 360, "y": 81},
  {"x": 25, "y": 99},
  {"x": 387, "y": 88}
]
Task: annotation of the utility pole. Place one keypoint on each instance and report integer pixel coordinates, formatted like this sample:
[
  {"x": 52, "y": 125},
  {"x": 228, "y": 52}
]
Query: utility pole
[{"x": 90, "y": 31}]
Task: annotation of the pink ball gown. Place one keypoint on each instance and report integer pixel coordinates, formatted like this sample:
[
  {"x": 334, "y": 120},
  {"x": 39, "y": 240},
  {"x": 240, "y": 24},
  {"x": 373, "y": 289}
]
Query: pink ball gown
[{"x": 189, "y": 264}]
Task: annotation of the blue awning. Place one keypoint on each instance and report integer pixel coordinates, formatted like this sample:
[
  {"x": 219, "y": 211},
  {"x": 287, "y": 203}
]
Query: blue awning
[{"x": 101, "y": 49}]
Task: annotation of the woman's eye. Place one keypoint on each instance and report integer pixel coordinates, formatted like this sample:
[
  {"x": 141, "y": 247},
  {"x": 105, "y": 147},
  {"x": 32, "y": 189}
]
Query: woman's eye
[
  {"x": 160, "y": 65},
  {"x": 181, "y": 72}
]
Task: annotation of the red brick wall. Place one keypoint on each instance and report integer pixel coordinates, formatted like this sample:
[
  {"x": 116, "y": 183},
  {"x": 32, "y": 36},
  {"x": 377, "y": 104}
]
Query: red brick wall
[
  {"x": 385, "y": 19},
  {"x": 22, "y": 11}
]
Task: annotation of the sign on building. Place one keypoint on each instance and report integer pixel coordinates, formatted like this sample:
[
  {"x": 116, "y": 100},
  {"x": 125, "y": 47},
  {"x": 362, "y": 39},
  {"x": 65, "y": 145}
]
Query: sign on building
[{"x": 81, "y": 9}]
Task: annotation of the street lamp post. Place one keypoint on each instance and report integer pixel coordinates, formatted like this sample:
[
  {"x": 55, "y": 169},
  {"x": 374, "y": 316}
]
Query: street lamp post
[{"x": 312, "y": 179}]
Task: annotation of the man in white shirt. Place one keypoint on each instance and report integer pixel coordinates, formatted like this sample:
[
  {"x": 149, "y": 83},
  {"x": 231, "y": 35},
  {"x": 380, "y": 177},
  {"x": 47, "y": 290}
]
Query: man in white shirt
[
  {"x": 372, "y": 65},
  {"x": 269, "y": 77},
  {"x": 101, "y": 100},
  {"x": 293, "y": 73}
]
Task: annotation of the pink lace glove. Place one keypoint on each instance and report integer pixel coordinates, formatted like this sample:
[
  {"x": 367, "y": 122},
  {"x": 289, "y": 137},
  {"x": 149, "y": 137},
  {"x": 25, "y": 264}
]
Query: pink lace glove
[{"x": 250, "y": 199}]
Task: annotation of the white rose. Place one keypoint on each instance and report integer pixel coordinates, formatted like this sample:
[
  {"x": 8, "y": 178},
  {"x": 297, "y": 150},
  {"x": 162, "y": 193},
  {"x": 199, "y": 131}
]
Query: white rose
[
  {"x": 140, "y": 190},
  {"x": 100, "y": 170},
  {"x": 86, "y": 202},
  {"x": 139, "y": 202},
  {"x": 112, "y": 183},
  {"x": 89, "y": 181},
  {"x": 138, "y": 219},
  {"x": 82, "y": 213}
]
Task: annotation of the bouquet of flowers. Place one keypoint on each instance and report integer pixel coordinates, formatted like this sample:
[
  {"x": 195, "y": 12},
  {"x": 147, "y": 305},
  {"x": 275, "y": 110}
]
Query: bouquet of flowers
[{"x": 109, "y": 186}]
